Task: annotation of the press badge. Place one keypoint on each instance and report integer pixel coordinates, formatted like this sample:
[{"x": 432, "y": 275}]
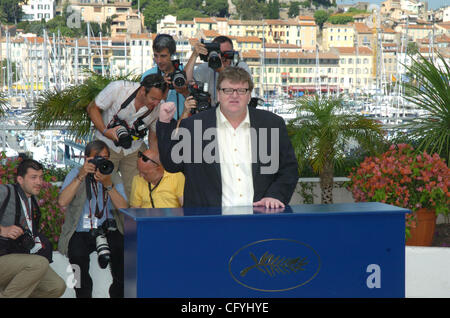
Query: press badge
[{"x": 89, "y": 223}]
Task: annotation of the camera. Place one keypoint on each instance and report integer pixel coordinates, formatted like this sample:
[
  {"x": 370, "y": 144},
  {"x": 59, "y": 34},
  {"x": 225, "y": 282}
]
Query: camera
[
  {"x": 231, "y": 55},
  {"x": 139, "y": 129},
  {"x": 177, "y": 77},
  {"x": 103, "y": 165},
  {"x": 201, "y": 96},
  {"x": 255, "y": 102},
  {"x": 101, "y": 242},
  {"x": 123, "y": 133},
  {"x": 25, "y": 242},
  {"x": 213, "y": 56}
]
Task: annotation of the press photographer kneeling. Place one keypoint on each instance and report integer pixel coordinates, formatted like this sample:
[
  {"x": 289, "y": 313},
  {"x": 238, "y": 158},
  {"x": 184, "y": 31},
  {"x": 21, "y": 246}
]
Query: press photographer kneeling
[
  {"x": 93, "y": 194},
  {"x": 25, "y": 253}
]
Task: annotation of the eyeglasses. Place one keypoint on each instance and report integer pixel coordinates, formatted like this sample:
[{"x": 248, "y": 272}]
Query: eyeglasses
[
  {"x": 230, "y": 91},
  {"x": 145, "y": 158}
]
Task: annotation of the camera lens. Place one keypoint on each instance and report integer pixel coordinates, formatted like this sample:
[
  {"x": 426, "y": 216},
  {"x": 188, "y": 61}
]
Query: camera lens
[
  {"x": 106, "y": 167},
  {"x": 214, "y": 60},
  {"x": 124, "y": 138},
  {"x": 179, "y": 80},
  {"x": 103, "y": 251}
]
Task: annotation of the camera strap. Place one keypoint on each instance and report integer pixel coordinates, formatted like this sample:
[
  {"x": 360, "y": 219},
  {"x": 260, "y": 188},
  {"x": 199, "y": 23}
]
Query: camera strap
[
  {"x": 150, "y": 190},
  {"x": 5, "y": 202},
  {"x": 32, "y": 213}
]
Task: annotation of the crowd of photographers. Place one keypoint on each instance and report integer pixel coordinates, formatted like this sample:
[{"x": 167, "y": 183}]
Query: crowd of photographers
[{"x": 121, "y": 171}]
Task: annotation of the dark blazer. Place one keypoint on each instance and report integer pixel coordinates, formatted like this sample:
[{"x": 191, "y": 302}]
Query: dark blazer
[{"x": 203, "y": 185}]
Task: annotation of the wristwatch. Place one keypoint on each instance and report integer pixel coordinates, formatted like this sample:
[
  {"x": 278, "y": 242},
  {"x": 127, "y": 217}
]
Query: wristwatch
[{"x": 109, "y": 188}]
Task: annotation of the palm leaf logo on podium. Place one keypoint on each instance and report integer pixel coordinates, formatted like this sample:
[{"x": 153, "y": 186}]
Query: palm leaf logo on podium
[{"x": 271, "y": 265}]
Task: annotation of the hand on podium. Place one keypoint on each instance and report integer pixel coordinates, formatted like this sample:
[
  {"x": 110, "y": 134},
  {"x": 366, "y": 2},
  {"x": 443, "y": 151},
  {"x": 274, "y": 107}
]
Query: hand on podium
[{"x": 268, "y": 205}]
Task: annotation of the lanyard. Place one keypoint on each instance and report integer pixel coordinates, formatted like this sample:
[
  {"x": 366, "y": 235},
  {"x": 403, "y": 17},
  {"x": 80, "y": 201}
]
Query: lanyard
[
  {"x": 28, "y": 214},
  {"x": 150, "y": 189},
  {"x": 98, "y": 214}
]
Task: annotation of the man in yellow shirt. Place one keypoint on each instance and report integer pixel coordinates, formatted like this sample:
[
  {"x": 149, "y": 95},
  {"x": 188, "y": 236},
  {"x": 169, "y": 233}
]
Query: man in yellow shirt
[{"x": 154, "y": 187}]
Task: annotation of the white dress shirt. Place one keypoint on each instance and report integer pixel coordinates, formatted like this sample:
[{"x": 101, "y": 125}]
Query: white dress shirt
[{"x": 235, "y": 163}]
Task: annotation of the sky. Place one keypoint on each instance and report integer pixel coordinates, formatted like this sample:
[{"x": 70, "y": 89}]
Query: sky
[{"x": 432, "y": 4}]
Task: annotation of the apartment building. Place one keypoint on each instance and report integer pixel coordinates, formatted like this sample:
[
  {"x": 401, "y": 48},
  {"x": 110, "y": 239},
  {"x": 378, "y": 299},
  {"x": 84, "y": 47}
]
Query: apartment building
[
  {"x": 300, "y": 31},
  {"x": 338, "y": 35},
  {"x": 99, "y": 10},
  {"x": 36, "y": 10},
  {"x": 355, "y": 68},
  {"x": 415, "y": 31}
]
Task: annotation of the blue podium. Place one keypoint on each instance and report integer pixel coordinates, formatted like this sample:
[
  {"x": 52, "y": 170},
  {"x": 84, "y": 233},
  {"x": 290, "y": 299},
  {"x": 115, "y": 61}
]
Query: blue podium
[{"x": 337, "y": 250}]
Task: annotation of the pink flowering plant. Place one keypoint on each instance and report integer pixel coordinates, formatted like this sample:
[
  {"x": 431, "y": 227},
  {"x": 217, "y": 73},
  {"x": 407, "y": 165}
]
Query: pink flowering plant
[
  {"x": 52, "y": 214},
  {"x": 404, "y": 178}
]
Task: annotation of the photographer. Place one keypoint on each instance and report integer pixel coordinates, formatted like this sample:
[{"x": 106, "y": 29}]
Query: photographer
[
  {"x": 164, "y": 48},
  {"x": 92, "y": 195},
  {"x": 122, "y": 114},
  {"x": 209, "y": 72},
  {"x": 25, "y": 253}
]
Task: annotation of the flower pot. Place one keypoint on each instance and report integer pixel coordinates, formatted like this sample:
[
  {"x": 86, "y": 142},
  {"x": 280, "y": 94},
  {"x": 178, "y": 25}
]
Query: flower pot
[{"x": 422, "y": 234}]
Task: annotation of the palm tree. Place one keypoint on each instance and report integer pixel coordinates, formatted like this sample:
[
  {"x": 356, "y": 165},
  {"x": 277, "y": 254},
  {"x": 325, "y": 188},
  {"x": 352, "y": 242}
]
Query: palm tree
[
  {"x": 321, "y": 134},
  {"x": 430, "y": 92},
  {"x": 68, "y": 106}
]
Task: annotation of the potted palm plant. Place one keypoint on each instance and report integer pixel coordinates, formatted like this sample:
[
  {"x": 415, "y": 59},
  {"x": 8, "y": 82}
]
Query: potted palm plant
[{"x": 321, "y": 133}]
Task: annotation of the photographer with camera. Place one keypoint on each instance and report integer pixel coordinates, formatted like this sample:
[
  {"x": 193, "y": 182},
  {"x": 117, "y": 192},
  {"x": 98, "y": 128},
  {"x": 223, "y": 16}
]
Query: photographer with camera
[
  {"x": 93, "y": 194},
  {"x": 164, "y": 48},
  {"x": 122, "y": 114},
  {"x": 217, "y": 56},
  {"x": 25, "y": 253}
]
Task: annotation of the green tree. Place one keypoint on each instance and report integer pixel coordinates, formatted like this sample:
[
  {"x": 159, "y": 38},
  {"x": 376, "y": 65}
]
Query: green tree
[
  {"x": 249, "y": 9},
  {"x": 12, "y": 11},
  {"x": 430, "y": 92},
  {"x": 340, "y": 19},
  {"x": 218, "y": 8},
  {"x": 191, "y": 4},
  {"x": 321, "y": 16},
  {"x": 155, "y": 10},
  {"x": 272, "y": 9},
  {"x": 321, "y": 134},
  {"x": 294, "y": 8},
  {"x": 188, "y": 14}
]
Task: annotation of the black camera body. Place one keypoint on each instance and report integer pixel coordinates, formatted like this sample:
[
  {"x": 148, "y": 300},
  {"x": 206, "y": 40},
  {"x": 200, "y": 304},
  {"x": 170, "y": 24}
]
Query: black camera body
[
  {"x": 25, "y": 242},
  {"x": 231, "y": 55},
  {"x": 255, "y": 102},
  {"x": 101, "y": 242},
  {"x": 201, "y": 96},
  {"x": 213, "y": 56},
  {"x": 177, "y": 77},
  {"x": 105, "y": 166},
  {"x": 125, "y": 134}
]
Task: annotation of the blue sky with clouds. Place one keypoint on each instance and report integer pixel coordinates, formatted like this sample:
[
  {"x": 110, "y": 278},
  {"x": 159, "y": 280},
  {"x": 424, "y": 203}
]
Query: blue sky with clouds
[{"x": 432, "y": 4}]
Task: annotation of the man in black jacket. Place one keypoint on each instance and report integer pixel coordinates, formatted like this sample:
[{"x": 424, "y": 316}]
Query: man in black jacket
[
  {"x": 24, "y": 252},
  {"x": 231, "y": 155}
]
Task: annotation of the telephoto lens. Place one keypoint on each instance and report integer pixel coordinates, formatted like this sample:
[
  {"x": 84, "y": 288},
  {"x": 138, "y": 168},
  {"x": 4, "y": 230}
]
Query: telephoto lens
[
  {"x": 103, "y": 251},
  {"x": 124, "y": 138},
  {"x": 214, "y": 60}
]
